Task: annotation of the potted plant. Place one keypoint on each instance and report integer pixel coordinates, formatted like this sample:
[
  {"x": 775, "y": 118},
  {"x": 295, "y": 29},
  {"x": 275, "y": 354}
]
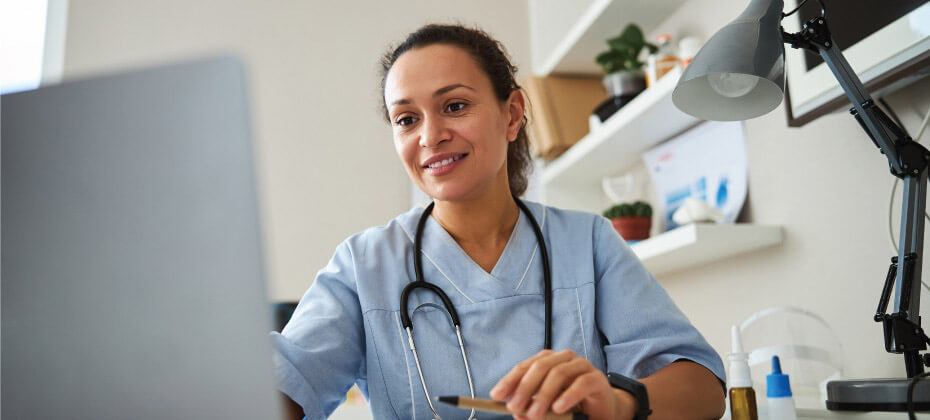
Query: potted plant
[
  {"x": 624, "y": 77},
  {"x": 632, "y": 221}
]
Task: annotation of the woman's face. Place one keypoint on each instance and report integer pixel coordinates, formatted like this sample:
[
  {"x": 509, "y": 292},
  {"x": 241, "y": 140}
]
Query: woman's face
[{"x": 450, "y": 130}]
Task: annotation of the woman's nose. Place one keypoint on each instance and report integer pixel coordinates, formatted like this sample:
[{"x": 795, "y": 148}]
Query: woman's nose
[{"x": 433, "y": 132}]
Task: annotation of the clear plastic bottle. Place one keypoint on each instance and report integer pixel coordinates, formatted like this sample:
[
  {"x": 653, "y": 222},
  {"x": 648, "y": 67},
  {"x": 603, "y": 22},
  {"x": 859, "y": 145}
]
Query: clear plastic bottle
[
  {"x": 663, "y": 61},
  {"x": 778, "y": 394}
]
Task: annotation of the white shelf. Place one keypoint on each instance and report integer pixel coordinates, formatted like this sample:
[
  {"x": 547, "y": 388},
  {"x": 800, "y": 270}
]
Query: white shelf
[
  {"x": 617, "y": 144},
  {"x": 697, "y": 244},
  {"x": 573, "y": 180},
  {"x": 602, "y": 20}
]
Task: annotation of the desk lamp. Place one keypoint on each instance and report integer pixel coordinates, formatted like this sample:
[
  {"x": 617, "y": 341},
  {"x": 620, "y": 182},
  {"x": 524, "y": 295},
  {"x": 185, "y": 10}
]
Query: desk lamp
[{"x": 740, "y": 74}]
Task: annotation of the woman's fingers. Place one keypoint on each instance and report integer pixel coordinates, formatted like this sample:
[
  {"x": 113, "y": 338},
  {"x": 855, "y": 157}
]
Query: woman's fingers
[
  {"x": 582, "y": 387},
  {"x": 509, "y": 382},
  {"x": 559, "y": 378},
  {"x": 532, "y": 376}
]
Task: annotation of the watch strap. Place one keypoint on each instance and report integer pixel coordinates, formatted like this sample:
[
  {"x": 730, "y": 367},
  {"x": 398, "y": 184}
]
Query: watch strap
[{"x": 635, "y": 388}]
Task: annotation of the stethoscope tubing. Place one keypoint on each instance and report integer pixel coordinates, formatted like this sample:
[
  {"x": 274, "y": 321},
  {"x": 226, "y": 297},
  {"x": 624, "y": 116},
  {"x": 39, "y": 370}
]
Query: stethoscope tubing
[
  {"x": 547, "y": 272},
  {"x": 450, "y": 308},
  {"x": 420, "y": 283}
]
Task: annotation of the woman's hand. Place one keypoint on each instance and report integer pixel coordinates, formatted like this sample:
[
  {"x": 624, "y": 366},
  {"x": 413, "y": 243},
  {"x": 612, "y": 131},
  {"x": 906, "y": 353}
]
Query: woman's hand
[{"x": 560, "y": 381}]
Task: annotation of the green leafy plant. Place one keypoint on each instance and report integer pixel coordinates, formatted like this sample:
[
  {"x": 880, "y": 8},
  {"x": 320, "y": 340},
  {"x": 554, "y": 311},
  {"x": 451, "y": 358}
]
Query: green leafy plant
[
  {"x": 624, "y": 51},
  {"x": 637, "y": 209}
]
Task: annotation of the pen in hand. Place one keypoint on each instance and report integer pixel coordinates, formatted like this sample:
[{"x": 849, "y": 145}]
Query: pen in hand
[{"x": 501, "y": 407}]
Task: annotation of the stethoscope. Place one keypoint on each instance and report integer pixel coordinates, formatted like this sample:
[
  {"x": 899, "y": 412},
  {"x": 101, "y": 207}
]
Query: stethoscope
[{"x": 421, "y": 283}]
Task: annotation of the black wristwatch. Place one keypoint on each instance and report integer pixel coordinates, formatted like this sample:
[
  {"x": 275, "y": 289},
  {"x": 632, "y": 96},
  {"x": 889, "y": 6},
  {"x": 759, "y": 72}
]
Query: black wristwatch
[{"x": 634, "y": 387}]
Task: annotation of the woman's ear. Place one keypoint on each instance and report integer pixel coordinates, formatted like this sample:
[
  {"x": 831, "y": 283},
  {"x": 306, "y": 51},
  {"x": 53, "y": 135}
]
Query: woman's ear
[{"x": 516, "y": 106}]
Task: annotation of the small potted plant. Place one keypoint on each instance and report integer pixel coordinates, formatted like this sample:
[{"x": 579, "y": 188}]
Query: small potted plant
[
  {"x": 624, "y": 77},
  {"x": 632, "y": 221}
]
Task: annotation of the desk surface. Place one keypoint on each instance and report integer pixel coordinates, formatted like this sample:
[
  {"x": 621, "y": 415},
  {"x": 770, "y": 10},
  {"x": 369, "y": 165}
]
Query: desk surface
[{"x": 823, "y": 414}]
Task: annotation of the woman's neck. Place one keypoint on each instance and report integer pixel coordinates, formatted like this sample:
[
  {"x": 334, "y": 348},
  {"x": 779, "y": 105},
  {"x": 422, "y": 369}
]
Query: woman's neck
[{"x": 487, "y": 220}]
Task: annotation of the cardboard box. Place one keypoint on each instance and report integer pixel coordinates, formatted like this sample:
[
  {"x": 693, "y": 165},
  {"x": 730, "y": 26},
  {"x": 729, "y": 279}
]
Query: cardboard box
[{"x": 558, "y": 111}]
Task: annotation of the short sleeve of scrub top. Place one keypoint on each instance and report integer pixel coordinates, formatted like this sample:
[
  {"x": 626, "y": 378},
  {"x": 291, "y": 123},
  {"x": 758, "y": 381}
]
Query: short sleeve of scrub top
[
  {"x": 607, "y": 308},
  {"x": 645, "y": 331},
  {"x": 320, "y": 351}
]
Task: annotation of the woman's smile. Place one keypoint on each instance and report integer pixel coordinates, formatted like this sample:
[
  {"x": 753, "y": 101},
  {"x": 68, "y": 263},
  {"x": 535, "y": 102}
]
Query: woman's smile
[{"x": 443, "y": 164}]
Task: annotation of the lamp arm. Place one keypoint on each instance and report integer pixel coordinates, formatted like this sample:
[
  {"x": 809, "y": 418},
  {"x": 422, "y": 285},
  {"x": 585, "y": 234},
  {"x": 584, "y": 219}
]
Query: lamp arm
[
  {"x": 890, "y": 138},
  {"x": 907, "y": 160}
]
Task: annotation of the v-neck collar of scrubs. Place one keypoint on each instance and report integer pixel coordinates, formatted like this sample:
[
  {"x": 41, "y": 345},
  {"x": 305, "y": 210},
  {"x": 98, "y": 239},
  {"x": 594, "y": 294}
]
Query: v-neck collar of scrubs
[{"x": 510, "y": 273}]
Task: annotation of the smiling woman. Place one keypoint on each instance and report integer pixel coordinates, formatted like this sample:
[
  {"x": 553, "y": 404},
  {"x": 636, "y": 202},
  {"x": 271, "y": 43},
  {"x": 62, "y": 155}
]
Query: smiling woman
[
  {"x": 481, "y": 87},
  {"x": 537, "y": 329}
]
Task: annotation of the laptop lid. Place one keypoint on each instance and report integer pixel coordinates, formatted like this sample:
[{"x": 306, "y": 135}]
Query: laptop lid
[{"x": 132, "y": 279}]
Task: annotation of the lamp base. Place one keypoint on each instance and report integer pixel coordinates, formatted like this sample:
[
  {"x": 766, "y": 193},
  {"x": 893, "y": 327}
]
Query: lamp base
[{"x": 877, "y": 395}]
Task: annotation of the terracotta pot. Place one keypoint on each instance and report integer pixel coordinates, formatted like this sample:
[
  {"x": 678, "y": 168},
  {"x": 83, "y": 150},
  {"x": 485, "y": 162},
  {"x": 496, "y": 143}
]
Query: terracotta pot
[{"x": 632, "y": 228}]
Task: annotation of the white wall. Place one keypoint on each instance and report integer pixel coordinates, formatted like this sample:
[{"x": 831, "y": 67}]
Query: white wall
[
  {"x": 326, "y": 162},
  {"x": 829, "y": 187}
]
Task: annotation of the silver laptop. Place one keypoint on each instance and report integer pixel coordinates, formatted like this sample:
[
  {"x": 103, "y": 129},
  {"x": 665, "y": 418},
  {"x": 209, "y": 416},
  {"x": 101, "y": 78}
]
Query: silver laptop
[{"x": 132, "y": 280}]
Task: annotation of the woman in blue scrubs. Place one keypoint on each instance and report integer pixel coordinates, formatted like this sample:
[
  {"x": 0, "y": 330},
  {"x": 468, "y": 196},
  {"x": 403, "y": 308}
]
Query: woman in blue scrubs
[{"x": 458, "y": 120}]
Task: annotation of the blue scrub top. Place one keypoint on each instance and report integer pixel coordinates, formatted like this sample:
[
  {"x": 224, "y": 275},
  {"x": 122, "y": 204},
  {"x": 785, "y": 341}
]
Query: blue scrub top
[{"x": 606, "y": 307}]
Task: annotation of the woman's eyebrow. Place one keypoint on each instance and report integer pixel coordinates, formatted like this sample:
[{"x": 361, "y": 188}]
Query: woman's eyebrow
[
  {"x": 438, "y": 92},
  {"x": 442, "y": 90}
]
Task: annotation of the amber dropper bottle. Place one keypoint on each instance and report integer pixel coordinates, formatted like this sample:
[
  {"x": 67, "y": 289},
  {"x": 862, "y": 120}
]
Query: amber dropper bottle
[{"x": 742, "y": 397}]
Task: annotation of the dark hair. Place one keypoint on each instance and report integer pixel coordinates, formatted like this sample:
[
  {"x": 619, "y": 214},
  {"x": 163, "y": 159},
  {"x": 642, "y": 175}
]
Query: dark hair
[{"x": 492, "y": 58}]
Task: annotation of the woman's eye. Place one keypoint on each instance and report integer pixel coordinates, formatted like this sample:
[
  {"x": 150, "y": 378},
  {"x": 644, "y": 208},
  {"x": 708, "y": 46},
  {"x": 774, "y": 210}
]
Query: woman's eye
[
  {"x": 455, "y": 106},
  {"x": 403, "y": 122}
]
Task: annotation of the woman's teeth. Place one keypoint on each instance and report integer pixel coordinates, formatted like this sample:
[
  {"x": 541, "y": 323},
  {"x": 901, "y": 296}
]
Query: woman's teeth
[{"x": 444, "y": 162}]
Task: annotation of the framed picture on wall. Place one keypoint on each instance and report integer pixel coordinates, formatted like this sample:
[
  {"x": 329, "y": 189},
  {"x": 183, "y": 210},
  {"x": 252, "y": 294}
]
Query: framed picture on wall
[{"x": 886, "y": 42}]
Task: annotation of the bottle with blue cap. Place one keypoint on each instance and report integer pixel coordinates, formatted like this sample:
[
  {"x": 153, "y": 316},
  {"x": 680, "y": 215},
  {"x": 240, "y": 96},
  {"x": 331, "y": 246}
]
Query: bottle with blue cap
[{"x": 778, "y": 393}]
